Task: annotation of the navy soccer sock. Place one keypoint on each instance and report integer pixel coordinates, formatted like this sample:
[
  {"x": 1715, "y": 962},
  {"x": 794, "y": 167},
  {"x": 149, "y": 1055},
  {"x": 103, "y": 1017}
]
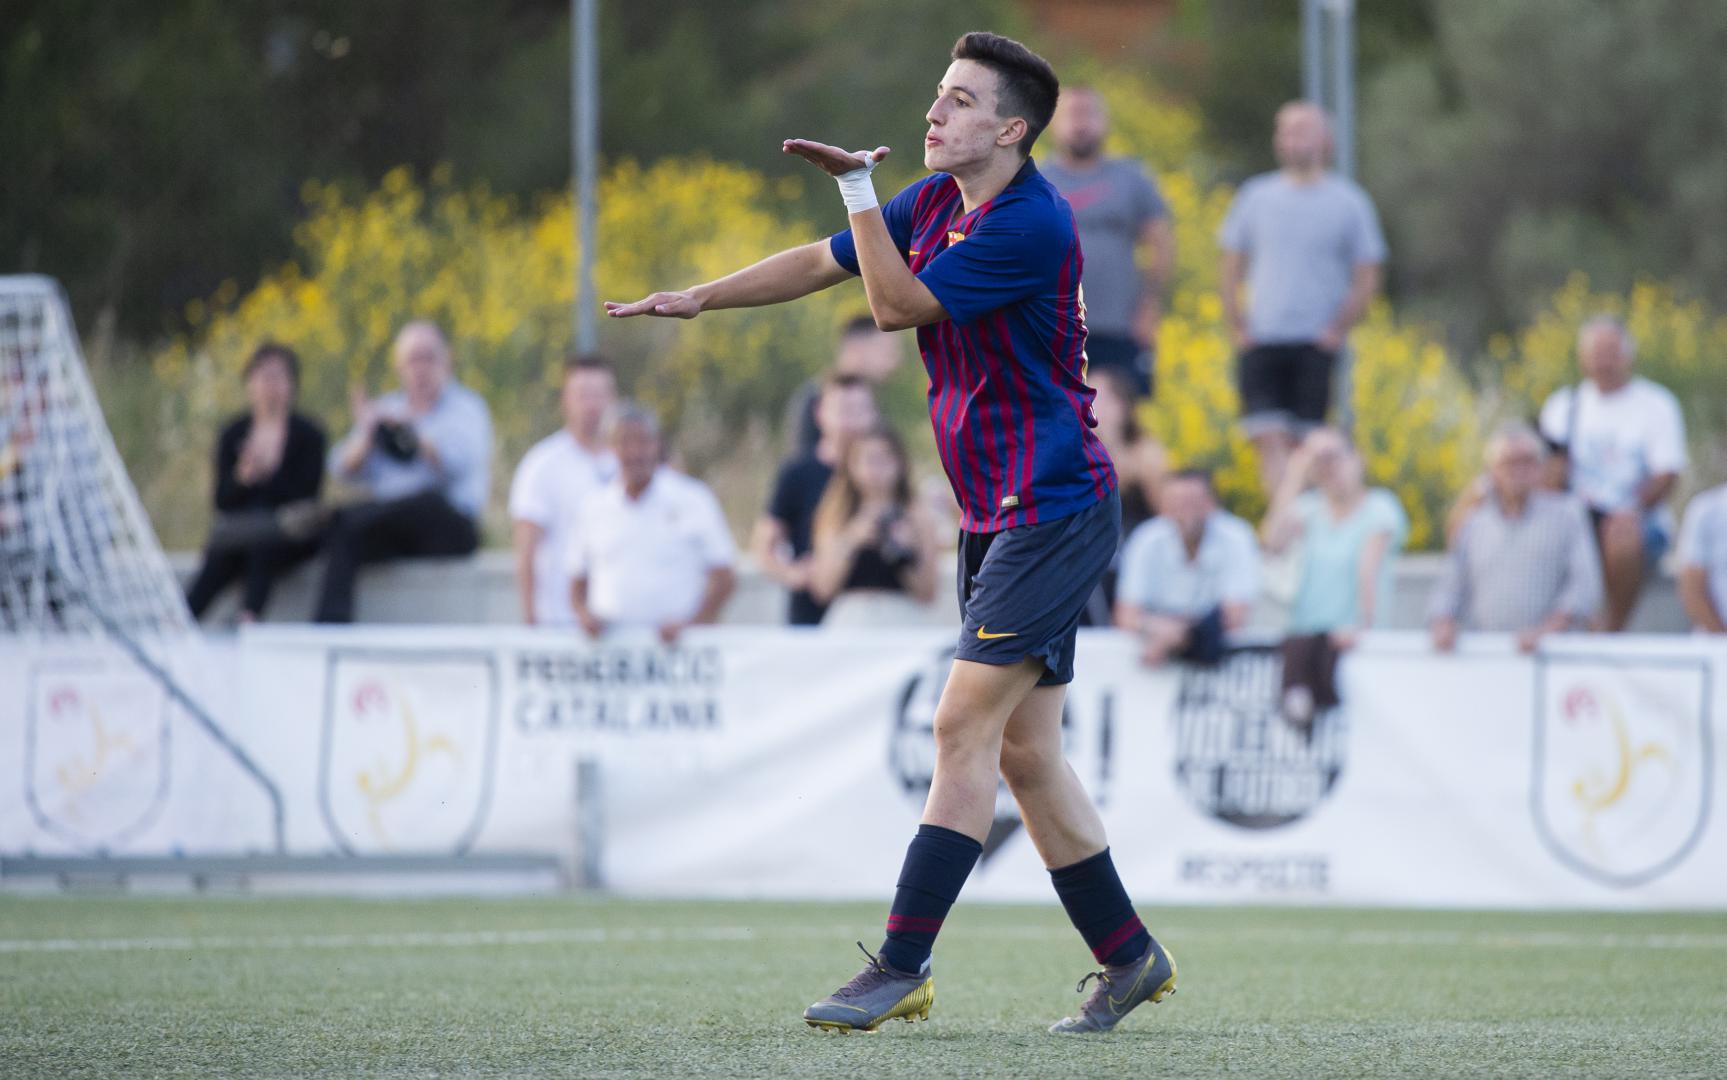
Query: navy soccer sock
[
  {"x": 1097, "y": 902},
  {"x": 936, "y": 866}
]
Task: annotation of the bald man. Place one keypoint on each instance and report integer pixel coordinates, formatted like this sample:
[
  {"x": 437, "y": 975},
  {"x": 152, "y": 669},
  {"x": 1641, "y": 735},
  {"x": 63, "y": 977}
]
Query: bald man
[
  {"x": 423, "y": 455},
  {"x": 1124, "y": 224},
  {"x": 1306, "y": 244}
]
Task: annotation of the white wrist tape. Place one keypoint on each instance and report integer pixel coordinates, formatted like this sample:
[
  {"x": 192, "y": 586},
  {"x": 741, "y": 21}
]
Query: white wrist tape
[{"x": 856, "y": 188}]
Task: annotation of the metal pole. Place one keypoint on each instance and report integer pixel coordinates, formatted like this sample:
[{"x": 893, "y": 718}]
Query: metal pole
[
  {"x": 585, "y": 149},
  {"x": 1312, "y": 52},
  {"x": 1343, "y": 81}
]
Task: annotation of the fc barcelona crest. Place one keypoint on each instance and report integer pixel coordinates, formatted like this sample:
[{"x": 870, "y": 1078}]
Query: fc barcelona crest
[
  {"x": 1622, "y": 764},
  {"x": 409, "y": 746},
  {"x": 96, "y": 751}
]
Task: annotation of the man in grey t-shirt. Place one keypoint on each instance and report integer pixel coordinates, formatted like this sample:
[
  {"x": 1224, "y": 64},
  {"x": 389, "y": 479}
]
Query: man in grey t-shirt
[
  {"x": 1118, "y": 210},
  {"x": 1306, "y": 242}
]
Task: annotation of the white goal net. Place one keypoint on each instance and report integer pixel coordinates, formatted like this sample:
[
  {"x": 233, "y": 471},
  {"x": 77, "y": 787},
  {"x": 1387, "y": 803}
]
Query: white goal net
[
  {"x": 79, "y": 555},
  {"x": 87, "y": 592}
]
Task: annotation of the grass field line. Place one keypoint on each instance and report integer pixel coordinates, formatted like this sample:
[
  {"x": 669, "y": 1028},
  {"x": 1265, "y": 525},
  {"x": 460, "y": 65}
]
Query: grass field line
[{"x": 466, "y": 939}]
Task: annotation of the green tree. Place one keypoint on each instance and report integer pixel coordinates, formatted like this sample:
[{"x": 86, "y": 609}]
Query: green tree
[{"x": 1537, "y": 140}]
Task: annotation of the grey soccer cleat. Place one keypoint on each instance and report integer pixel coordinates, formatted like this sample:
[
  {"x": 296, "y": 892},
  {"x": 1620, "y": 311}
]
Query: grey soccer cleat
[
  {"x": 1121, "y": 989},
  {"x": 877, "y": 994}
]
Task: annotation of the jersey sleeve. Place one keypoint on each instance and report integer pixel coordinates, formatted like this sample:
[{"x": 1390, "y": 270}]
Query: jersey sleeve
[
  {"x": 713, "y": 535},
  {"x": 1386, "y": 515},
  {"x": 1367, "y": 239},
  {"x": 1134, "y": 584},
  {"x": 576, "y": 556},
  {"x": 1690, "y": 547},
  {"x": 1234, "y": 235},
  {"x": 1012, "y": 254},
  {"x": 783, "y": 504},
  {"x": 1666, "y": 435},
  {"x": 899, "y": 213},
  {"x": 1148, "y": 202},
  {"x": 1240, "y": 584},
  {"x": 529, "y": 499}
]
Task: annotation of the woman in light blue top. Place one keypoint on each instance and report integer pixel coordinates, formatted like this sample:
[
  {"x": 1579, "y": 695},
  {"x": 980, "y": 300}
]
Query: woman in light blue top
[{"x": 1350, "y": 534}]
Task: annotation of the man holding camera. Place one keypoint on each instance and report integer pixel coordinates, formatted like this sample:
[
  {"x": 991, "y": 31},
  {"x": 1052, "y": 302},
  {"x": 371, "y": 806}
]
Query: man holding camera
[{"x": 423, "y": 455}]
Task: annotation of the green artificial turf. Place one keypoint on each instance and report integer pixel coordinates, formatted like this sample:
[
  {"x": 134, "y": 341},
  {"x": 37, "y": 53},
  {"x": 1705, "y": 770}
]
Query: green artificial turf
[{"x": 586, "y": 987}]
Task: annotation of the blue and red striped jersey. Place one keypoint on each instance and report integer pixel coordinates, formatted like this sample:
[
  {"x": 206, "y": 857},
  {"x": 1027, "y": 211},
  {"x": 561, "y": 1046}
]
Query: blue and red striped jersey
[{"x": 1007, "y": 392}]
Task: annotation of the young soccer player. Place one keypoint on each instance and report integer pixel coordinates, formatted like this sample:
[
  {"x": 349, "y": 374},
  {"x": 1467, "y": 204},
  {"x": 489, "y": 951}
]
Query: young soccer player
[{"x": 982, "y": 258}]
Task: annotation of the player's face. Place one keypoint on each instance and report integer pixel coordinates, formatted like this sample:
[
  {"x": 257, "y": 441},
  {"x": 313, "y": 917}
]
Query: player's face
[
  {"x": 964, "y": 127},
  {"x": 1080, "y": 123},
  {"x": 588, "y": 395}
]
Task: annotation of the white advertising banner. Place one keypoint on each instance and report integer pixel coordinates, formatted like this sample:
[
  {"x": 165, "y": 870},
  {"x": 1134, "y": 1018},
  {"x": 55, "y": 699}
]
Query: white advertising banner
[{"x": 794, "y": 764}]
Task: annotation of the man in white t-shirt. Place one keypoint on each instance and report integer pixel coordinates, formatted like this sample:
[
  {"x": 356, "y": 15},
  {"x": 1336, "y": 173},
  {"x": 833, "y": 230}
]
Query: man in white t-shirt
[
  {"x": 651, "y": 548},
  {"x": 1703, "y": 561},
  {"x": 554, "y": 477},
  {"x": 1624, "y": 440}
]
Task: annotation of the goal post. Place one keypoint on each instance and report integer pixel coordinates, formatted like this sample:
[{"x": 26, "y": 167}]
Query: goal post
[{"x": 78, "y": 558}]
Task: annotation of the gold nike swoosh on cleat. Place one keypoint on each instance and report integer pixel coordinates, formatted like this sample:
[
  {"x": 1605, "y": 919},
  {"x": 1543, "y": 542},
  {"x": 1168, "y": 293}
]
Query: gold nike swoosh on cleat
[{"x": 985, "y": 635}]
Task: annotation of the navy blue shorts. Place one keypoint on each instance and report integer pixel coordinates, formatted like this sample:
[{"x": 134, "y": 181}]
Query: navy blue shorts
[{"x": 1021, "y": 590}]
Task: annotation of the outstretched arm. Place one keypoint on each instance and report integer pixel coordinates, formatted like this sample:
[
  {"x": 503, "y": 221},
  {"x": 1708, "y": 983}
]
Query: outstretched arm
[
  {"x": 897, "y": 299},
  {"x": 786, "y": 276}
]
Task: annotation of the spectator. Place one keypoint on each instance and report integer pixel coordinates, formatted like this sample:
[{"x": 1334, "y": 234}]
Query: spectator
[
  {"x": 1306, "y": 242},
  {"x": 554, "y": 477},
  {"x": 650, "y": 548},
  {"x": 268, "y": 472},
  {"x": 1349, "y": 536},
  {"x": 874, "y": 545},
  {"x": 1623, "y": 441},
  {"x": 1703, "y": 561},
  {"x": 1523, "y": 561},
  {"x": 1189, "y": 577},
  {"x": 1138, "y": 457},
  {"x": 781, "y": 541},
  {"x": 864, "y": 352},
  {"x": 1139, "y": 469},
  {"x": 423, "y": 454},
  {"x": 1120, "y": 215}
]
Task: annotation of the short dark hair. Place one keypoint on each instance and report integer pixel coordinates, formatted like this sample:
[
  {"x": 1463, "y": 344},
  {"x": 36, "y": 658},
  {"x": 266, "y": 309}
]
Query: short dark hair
[
  {"x": 1027, "y": 86},
  {"x": 1202, "y": 475},
  {"x": 861, "y": 325},
  {"x": 274, "y": 350},
  {"x": 577, "y": 362},
  {"x": 845, "y": 380}
]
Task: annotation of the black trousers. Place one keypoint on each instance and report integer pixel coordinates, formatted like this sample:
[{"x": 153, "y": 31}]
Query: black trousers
[
  {"x": 255, "y": 566},
  {"x": 423, "y": 526}
]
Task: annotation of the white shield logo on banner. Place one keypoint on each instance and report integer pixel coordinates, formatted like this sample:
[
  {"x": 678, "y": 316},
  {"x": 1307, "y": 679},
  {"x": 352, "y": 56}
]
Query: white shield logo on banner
[
  {"x": 1622, "y": 764},
  {"x": 409, "y": 742},
  {"x": 96, "y": 758}
]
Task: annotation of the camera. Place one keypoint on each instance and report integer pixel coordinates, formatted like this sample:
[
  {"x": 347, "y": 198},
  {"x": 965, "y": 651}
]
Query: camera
[{"x": 398, "y": 440}]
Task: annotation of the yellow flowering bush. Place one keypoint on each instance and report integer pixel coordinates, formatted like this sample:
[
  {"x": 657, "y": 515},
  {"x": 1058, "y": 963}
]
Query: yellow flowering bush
[
  {"x": 497, "y": 274},
  {"x": 1415, "y": 418},
  {"x": 498, "y": 277}
]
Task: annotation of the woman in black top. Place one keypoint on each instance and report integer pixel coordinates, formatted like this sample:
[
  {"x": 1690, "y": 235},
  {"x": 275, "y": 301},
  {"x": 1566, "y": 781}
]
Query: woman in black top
[
  {"x": 870, "y": 535},
  {"x": 267, "y": 460}
]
